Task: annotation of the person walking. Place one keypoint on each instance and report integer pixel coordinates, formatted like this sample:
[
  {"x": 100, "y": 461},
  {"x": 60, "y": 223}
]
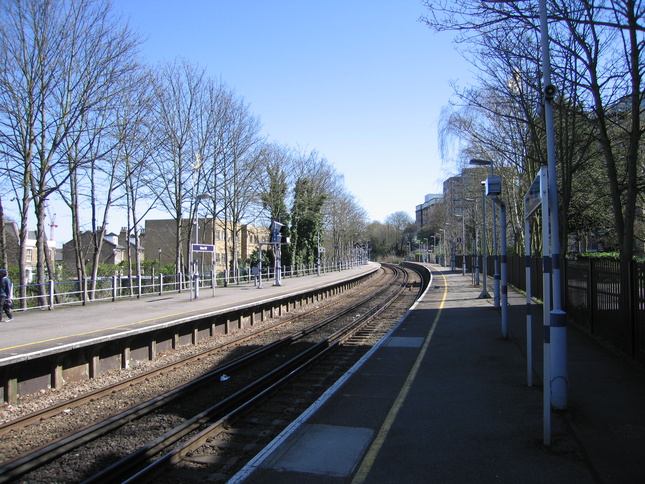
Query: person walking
[{"x": 5, "y": 295}]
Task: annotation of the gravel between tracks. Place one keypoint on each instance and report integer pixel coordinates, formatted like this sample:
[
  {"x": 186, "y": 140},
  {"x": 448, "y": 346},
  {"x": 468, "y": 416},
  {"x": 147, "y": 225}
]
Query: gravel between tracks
[
  {"x": 12, "y": 444},
  {"x": 15, "y": 443}
]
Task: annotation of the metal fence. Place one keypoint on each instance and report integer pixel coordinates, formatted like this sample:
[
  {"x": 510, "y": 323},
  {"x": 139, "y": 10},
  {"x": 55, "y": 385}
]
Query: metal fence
[
  {"x": 82, "y": 292},
  {"x": 595, "y": 297},
  {"x": 606, "y": 304}
]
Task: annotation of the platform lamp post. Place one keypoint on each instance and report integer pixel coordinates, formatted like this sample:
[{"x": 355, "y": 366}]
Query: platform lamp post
[
  {"x": 494, "y": 190},
  {"x": 354, "y": 249},
  {"x": 484, "y": 294},
  {"x": 451, "y": 249},
  {"x": 341, "y": 252},
  {"x": 443, "y": 248},
  {"x": 318, "y": 255},
  {"x": 434, "y": 248},
  {"x": 201, "y": 196},
  {"x": 160, "y": 272},
  {"x": 463, "y": 242},
  {"x": 496, "y": 276},
  {"x": 278, "y": 247},
  {"x": 476, "y": 264}
]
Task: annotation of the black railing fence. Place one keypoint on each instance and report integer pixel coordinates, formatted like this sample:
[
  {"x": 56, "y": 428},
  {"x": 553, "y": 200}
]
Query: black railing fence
[
  {"x": 607, "y": 305},
  {"x": 594, "y": 295}
]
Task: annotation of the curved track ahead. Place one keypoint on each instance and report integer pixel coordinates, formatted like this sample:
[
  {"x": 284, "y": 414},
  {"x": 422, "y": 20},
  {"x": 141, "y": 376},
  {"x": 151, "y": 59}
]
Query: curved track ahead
[{"x": 305, "y": 352}]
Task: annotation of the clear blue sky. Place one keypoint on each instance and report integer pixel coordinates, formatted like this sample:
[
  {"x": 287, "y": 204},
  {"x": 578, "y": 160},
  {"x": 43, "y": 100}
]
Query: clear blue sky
[{"x": 360, "y": 81}]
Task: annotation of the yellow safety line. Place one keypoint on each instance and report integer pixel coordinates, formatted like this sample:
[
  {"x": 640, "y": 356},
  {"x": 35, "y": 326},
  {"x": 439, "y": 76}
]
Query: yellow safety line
[
  {"x": 375, "y": 448},
  {"x": 142, "y": 321}
]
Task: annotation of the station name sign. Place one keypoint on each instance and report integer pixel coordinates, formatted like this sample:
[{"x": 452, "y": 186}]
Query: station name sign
[
  {"x": 203, "y": 248},
  {"x": 537, "y": 192}
]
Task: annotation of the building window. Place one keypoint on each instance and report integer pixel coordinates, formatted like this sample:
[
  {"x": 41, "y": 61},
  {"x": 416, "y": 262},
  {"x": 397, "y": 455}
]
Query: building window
[{"x": 28, "y": 256}]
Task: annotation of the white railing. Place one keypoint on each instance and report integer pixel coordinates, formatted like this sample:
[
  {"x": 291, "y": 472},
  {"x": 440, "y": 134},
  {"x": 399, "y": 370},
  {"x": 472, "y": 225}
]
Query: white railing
[{"x": 52, "y": 294}]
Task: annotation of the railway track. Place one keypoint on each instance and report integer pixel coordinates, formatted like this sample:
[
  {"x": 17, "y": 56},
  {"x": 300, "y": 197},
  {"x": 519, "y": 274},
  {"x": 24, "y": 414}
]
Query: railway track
[
  {"x": 68, "y": 405},
  {"x": 163, "y": 423}
]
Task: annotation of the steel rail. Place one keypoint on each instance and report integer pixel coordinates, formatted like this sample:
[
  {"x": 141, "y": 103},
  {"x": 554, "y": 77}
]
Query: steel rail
[
  {"x": 229, "y": 408},
  {"x": 51, "y": 411},
  {"x": 43, "y": 454}
]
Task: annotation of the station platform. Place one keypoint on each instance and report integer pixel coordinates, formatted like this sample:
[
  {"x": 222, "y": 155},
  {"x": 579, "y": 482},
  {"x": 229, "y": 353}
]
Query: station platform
[
  {"x": 33, "y": 333},
  {"x": 444, "y": 398}
]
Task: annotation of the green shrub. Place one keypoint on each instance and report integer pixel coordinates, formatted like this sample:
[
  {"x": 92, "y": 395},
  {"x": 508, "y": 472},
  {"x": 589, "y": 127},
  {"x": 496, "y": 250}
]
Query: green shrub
[
  {"x": 605, "y": 255},
  {"x": 598, "y": 255}
]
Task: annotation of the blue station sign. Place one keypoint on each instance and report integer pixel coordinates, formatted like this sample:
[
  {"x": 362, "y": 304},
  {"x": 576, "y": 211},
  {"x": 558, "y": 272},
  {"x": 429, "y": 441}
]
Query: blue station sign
[{"x": 203, "y": 248}]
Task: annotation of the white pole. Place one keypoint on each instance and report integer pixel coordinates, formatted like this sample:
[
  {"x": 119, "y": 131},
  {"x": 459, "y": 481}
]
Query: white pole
[
  {"x": 546, "y": 310},
  {"x": 463, "y": 243},
  {"x": 495, "y": 252},
  {"x": 195, "y": 262},
  {"x": 502, "y": 221},
  {"x": 318, "y": 259},
  {"x": 213, "y": 273},
  {"x": 260, "y": 267},
  {"x": 558, "y": 321},
  {"x": 484, "y": 294},
  {"x": 278, "y": 271},
  {"x": 529, "y": 317}
]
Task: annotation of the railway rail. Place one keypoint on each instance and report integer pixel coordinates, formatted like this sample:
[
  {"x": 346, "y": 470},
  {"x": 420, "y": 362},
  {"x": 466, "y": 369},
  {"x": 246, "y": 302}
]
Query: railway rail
[
  {"x": 235, "y": 340},
  {"x": 236, "y": 386}
]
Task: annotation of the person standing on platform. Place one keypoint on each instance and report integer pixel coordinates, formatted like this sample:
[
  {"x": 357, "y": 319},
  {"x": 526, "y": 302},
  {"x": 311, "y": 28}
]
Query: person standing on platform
[{"x": 5, "y": 295}]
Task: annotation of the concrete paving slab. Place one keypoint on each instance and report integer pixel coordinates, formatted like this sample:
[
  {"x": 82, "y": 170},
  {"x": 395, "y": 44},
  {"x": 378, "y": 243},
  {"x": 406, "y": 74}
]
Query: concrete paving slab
[
  {"x": 404, "y": 342},
  {"x": 323, "y": 450}
]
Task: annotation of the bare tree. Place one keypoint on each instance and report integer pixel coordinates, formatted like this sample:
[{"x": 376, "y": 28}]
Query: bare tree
[
  {"x": 240, "y": 175},
  {"x": 344, "y": 221},
  {"x": 60, "y": 60},
  {"x": 181, "y": 101},
  {"x": 220, "y": 100},
  {"x": 92, "y": 182},
  {"x": 134, "y": 133},
  {"x": 598, "y": 53},
  {"x": 608, "y": 43},
  {"x": 501, "y": 120},
  {"x": 399, "y": 221}
]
